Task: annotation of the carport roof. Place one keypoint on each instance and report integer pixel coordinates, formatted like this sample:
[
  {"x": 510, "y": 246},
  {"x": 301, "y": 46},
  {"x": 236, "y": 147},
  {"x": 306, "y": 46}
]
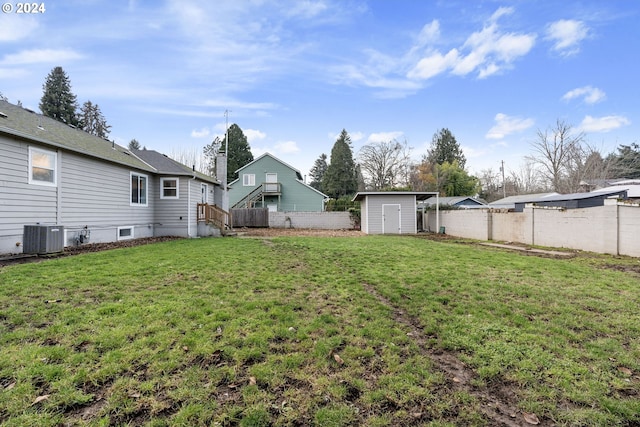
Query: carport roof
[{"x": 420, "y": 195}]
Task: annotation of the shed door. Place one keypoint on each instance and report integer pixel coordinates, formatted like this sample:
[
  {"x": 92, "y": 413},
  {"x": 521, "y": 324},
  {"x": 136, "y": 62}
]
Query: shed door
[{"x": 391, "y": 219}]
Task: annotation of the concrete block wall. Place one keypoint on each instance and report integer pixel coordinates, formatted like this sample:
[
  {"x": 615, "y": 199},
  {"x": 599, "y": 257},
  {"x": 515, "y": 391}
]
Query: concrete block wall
[
  {"x": 629, "y": 226},
  {"x": 317, "y": 220},
  {"x": 471, "y": 223},
  {"x": 589, "y": 229},
  {"x": 611, "y": 229},
  {"x": 511, "y": 226}
]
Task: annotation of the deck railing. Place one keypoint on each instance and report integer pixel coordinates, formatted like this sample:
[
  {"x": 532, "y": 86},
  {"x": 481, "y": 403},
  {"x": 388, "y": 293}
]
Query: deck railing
[{"x": 212, "y": 214}]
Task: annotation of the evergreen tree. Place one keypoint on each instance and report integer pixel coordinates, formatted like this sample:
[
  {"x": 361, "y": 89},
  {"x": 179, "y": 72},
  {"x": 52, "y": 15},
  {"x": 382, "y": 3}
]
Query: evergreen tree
[
  {"x": 92, "y": 121},
  {"x": 58, "y": 102},
  {"x": 454, "y": 181},
  {"x": 626, "y": 162},
  {"x": 239, "y": 152},
  {"x": 445, "y": 148},
  {"x": 317, "y": 172},
  {"x": 340, "y": 177},
  {"x": 134, "y": 144}
]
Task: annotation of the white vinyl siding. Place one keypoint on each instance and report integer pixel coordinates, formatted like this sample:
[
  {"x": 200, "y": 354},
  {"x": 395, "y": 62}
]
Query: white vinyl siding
[
  {"x": 43, "y": 167},
  {"x": 373, "y": 217},
  {"x": 169, "y": 188}
]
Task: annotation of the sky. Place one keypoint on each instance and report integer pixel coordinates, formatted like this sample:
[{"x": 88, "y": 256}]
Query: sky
[{"x": 174, "y": 74}]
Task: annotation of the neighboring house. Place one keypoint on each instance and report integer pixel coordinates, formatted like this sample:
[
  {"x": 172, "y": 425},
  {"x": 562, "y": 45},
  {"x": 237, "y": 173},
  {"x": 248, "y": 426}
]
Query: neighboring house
[
  {"x": 98, "y": 191},
  {"x": 509, "y": 202},
  {"x": 268, "y": 182},
  {"x": 573, "y": 200},
  {"x": 458, "y": 202},
  {"x": 390, "y": 212}
]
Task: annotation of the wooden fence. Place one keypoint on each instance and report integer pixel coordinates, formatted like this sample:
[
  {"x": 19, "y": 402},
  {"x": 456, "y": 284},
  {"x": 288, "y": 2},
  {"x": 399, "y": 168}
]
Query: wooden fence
[{"x": 254, "y": 217}]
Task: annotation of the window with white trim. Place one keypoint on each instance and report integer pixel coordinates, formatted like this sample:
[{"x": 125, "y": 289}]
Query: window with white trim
[
  {"x": 125, "y": 233},
  {"x": 43, "y": 166},
  {"x": 169, "y": 188},
  {"x": 249, "y": 180},
  {"x": 138, "y": 189}
]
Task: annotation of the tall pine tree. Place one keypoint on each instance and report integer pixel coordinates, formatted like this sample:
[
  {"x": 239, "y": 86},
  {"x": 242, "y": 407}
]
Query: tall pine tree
[
  {"x": 58, "y": 102},
  {"x": 445, "y": 148},
  {"x": 92, "y": 121},
  {"x": 317, "y": 172},
  {"x": 340, "y": 178},
  {"x": 239, "y": 152}
]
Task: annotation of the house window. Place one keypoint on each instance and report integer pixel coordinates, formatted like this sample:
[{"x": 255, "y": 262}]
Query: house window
[
  {"x": 248, "y": 180},
  {"x": 42, "y": 166},
  {"x": 125, "y": 233},
  {"x": 168, "y": 188},
  {"x": 138, "y": 189}
]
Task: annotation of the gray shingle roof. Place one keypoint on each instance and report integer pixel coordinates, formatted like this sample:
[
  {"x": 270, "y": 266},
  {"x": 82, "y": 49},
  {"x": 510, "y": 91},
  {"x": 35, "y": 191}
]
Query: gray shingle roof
[
  {"x": 167, "y": 166},
  {"x": 26, "y": 124}
]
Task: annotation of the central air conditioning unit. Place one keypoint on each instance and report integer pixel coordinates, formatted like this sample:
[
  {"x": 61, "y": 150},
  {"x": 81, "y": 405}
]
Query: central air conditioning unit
[{"x": 43, "y": 239}]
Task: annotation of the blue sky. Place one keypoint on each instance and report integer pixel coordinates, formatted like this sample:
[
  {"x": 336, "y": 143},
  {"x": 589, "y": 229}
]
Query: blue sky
[{"x": 293, "y": 74}]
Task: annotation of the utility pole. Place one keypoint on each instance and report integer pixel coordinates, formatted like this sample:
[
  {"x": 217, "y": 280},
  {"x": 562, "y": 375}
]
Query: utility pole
[
  {"x": 225, "y": 193},
  {"x": 504, "y": 188}
]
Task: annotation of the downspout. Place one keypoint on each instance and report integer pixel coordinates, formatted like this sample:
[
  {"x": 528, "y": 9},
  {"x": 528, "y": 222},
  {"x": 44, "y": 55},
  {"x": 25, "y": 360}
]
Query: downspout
[
  {"x": 59, "y": 188},
  {"x": 438, "y": 212},
  {"x": 189, "y": 203}
]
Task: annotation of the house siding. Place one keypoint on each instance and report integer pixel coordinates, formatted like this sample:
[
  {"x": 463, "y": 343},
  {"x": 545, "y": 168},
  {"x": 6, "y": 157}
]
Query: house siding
[
  {"x": 295, "y": 195},
  {"x": 372, "y": 211},
  {"x": 91, "y": 196},
  {"x": 20, "y": 202},
  {"x": 171, "y": 217}
]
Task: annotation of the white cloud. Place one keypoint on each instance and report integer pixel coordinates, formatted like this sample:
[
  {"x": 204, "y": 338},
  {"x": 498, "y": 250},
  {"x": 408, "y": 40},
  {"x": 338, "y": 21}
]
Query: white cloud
[
  {"x": 566, "y": 35},
  {"x": 253, "y": 135},
  {"x": 590, "y": 95},
  {"x": 355, "y": 136},
  {"x": 16, "y": 27},
  {"x": 506, "y": 125},
  {"x": 603, "y": 124},
  {"x": 485, "y": 52},
  {"x": 307, "y": 9},
  {"x": 34, "y": 56},
  {"x": 384, "y": 136},
  {"x": 473, "y": 153},
  {"x": 287, "y": 147},
  {"x": 202, "y": 133},
  {"x": 434, "y": 64}
]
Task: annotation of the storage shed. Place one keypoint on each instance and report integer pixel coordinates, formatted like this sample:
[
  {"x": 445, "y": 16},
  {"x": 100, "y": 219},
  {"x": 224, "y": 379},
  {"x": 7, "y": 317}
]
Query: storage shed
[{"x": 390, "y": 212}]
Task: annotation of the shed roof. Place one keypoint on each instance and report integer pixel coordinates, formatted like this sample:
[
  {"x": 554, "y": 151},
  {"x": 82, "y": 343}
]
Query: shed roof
[
  {"x": 456, "y": 201},
  {"x": 420, "y": 195},
  {"x": 29, "y": 125}
]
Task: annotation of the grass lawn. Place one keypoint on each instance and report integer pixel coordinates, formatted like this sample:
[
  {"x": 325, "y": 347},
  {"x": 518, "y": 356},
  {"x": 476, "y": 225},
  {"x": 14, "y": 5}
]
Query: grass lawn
[{"x": 300, "y": 331}]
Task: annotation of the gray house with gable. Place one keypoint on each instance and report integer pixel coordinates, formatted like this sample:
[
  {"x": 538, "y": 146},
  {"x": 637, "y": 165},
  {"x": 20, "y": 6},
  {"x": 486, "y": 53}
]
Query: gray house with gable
[{"x": 98, "y": 191}]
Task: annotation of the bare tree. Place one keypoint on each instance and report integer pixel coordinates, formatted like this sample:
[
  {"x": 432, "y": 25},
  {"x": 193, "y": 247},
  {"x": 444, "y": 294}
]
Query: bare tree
[
  {"x": 554, "y": 151},
  {"x": 527, "y": 179},
  {"x": 192, "y": 157},
  {"x": 385, "y": 164}
]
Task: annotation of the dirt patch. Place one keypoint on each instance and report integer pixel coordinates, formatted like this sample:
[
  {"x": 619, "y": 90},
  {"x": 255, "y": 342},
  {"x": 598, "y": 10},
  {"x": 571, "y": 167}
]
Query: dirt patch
[
  {"x": 498, "y": 402},
  {"x": 286, "y": 232}
]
